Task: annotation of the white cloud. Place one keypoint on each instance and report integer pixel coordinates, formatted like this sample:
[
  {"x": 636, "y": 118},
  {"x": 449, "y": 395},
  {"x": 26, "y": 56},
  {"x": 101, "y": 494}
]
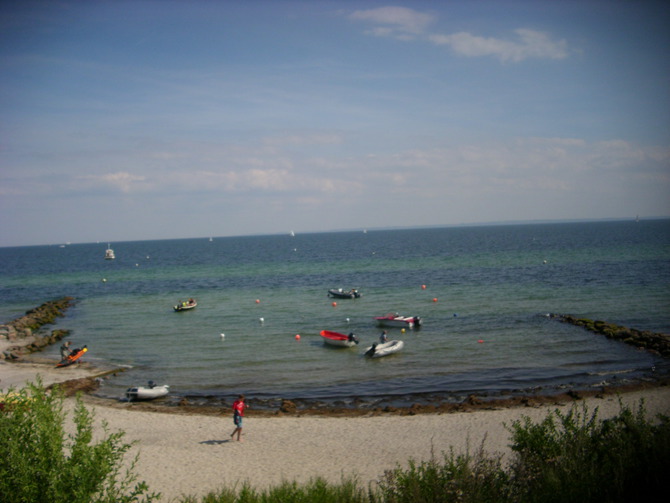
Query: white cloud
[
  {"x": 407, "y": 24},
  {"x": 398, "y": 22},
  {"x": 122, "y": 180},
  {"x": 529, "y": 44}
]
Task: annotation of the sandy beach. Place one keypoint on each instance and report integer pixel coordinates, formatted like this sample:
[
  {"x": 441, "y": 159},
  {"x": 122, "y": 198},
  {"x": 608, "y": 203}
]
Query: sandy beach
[{"x": 192, "y": 454}]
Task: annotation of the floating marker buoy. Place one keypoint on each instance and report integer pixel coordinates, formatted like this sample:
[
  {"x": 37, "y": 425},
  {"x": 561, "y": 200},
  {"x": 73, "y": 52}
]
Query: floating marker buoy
[
  {"x": 223, "y": 336},
  {"x": 262, "y": 320},
  {"x": 297, "y": 337},
  {"x": 481, "y": 341},
  {"x": 402, "y": 330},
  {"x": 434, "y": 299},
  {"x": 258, "y": 301},
  {"x": 334, "y": 304},
  {"x": 104, "y": 280},
  {"x": 347, "y": 320},
  {"x": 423, "y": 287},
  {"x": 455, "y": 315}
]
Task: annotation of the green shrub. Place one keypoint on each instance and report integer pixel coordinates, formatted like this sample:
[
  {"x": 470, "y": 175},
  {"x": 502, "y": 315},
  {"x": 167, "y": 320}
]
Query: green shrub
[
  {"x": 317, "y": 490},
  {"x": 463, "y": 478},
  {"x": 41, "y": 463},
  {"x": 574, "y": 457}
]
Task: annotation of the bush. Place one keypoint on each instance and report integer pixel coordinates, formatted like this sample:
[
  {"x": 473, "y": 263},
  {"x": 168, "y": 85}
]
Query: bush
[
  {"x": 574, "y": 457},
  {"x": 40, "y": 463},
  {"x": 463, "y": 478}
]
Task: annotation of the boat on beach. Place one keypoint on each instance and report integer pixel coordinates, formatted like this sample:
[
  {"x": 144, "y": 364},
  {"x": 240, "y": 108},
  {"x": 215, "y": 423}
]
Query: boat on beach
[
  {"x": 395, "y": 320},
  {"x": 338, "y": 340},
  {"x": 148, "y": 392},
  {"x": 185, "y": 305},
  {"x": 344, "y": 294},
  {"x": 384, "y": 349},
  {"x": 73, "y": 357}
]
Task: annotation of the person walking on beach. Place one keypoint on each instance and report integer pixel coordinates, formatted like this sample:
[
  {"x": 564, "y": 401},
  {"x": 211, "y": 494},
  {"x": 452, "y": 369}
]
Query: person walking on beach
[{"x": 238, "y": 414}]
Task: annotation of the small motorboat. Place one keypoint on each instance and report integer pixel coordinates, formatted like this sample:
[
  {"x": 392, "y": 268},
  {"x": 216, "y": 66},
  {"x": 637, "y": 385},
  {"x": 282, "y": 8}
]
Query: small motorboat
[
  {"x": 148, "y": 392},
  {"x": 185, "y": 305},
  {"x": 384, "y": 349},
  {"x": 339, "y": 340},
  {"x": 338, "y": 293},
  {"x": 395, "y": 320},
  {"x": 109, "y": 253},
  {"x": 75, "y": 354}
]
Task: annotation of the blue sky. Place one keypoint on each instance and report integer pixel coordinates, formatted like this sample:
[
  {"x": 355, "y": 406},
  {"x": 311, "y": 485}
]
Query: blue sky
[{"x": 129, "y": 120}]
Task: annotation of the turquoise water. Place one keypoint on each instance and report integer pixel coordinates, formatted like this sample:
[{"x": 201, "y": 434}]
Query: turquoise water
[{"x": 487, "y": 291}]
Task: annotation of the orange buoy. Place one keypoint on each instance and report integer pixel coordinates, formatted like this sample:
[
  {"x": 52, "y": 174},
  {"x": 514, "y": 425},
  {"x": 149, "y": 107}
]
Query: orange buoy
[
  {"x": 434, "y": 299},
  {"x": 481, "y": 341},
  {"x": 297, "y": 337},
  {"x": 258, "y": 301},
  {"x": 334, "y": 304},
  {"x": 423, "y": 287}
]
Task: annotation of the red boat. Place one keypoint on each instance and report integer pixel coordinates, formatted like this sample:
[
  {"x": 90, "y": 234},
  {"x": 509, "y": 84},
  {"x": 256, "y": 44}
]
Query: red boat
[
  {"x": 338, "y": 339},
  {"x": 395, "y": 320}
]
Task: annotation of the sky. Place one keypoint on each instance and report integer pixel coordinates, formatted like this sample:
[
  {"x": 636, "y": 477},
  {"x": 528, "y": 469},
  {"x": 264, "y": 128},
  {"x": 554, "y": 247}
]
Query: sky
[{"x": 132, "y": 120}]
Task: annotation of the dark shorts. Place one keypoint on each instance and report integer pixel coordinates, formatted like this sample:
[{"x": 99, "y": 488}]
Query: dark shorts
[{"x": 237, "y": 420}]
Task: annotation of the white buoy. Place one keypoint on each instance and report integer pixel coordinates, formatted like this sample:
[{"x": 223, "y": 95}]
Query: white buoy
[
  {"x": 262, "y": 320},
  {"x": 223, "y": 336},
  {"x": 347, "y": 320}
]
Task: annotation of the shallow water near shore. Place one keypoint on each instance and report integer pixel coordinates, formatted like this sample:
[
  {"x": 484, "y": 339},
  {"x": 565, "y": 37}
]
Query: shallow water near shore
[{"x": 485, "y": 330}]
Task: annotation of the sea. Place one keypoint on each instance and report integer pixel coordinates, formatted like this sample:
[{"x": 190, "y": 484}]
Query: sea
[{"x": 483, "y": 293}]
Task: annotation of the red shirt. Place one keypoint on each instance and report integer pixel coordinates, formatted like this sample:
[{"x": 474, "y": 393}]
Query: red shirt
[{"x": 238, "y": 407}]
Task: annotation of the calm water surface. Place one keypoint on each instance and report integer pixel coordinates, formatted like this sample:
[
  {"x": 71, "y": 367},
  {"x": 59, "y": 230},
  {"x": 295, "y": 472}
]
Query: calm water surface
[{"x": 484, "y": 305}]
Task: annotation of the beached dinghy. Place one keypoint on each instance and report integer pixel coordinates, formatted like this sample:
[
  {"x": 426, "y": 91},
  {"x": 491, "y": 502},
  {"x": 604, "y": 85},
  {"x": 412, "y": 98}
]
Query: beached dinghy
[
  {"x": 384, "y": 349},
  {"x": 148, "y": 392},
  {"x": 395, "y": 320},
  {"x": 74, "y": 356},
  {"x": 339, "y": 340}
]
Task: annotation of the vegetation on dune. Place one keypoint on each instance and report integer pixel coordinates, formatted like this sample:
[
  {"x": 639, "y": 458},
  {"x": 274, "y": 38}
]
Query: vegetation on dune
[{"x": 40, "y": 462}]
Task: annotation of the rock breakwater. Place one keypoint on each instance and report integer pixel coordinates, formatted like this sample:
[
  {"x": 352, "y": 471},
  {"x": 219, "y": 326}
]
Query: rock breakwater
[
  {"x": 23, "y": 333},
  {"x": 643, "y": 339}
]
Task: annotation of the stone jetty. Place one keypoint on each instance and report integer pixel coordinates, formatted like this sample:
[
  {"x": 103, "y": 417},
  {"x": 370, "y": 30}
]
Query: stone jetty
[
  {"x": 23, "y": 335},
  {"x": 643, "y": 339}
]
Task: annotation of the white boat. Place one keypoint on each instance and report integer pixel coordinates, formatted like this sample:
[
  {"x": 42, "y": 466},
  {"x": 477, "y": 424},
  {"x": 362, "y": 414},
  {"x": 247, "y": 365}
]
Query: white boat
[
  {"x": 148, "y": 392},
  {"x": 185, "y": 305},
  {"x": 339, "y": 340},
  {"x": 109, "y": 253},
  {"x": 395, "y": 320},
  {"x": 384, "y": 349}
]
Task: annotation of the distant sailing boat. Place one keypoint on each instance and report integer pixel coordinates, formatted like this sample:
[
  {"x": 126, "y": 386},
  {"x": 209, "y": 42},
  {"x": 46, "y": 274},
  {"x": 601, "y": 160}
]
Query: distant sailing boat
[
  {"x": 292, "y": 234},
  {"x": 109, "y": 253}
]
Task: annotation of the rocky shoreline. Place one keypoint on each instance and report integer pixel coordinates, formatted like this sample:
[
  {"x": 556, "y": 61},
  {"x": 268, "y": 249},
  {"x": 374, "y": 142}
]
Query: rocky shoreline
[
  {"x": 22, "y": 333},
  {"x": 643, "y": 339}
]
